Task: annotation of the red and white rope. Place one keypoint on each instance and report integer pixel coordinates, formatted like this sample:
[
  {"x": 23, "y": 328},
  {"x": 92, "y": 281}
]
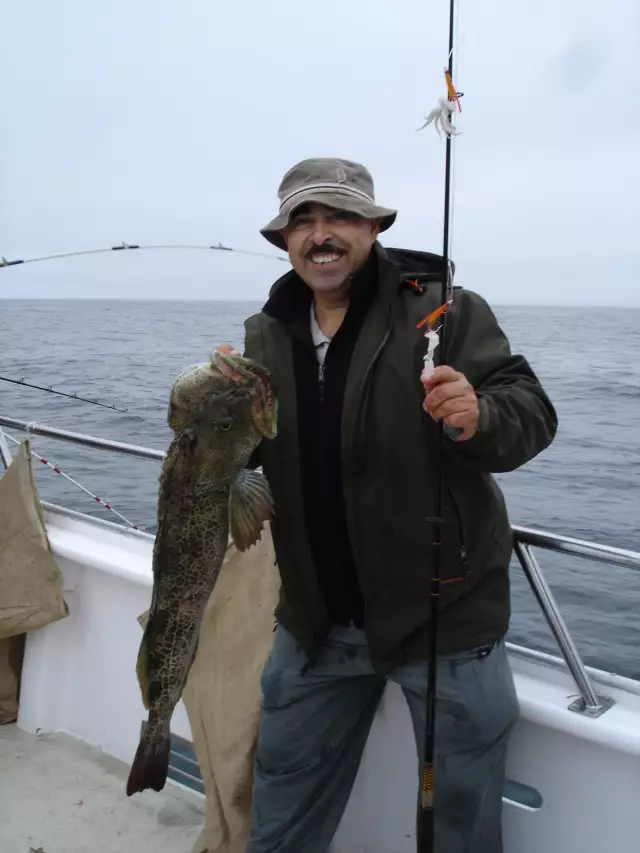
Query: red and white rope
[{"x": 56, "y": 469}]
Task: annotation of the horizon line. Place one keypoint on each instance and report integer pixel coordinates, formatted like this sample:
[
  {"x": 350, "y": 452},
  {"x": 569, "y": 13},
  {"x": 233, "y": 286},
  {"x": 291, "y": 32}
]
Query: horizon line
[{"x": 187, "y": 300}]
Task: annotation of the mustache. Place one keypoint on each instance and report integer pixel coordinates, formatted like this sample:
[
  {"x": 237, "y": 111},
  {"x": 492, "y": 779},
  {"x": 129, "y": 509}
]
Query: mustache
[{"x": 328, "y": 247}]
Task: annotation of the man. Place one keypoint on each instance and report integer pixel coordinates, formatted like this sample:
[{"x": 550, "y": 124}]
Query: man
[{"x": 352, "y": 472}]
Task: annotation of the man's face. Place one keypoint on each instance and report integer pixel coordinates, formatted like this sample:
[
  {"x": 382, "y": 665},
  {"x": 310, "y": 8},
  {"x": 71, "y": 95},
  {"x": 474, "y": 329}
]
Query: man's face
[{"x": 326, "y": 246}]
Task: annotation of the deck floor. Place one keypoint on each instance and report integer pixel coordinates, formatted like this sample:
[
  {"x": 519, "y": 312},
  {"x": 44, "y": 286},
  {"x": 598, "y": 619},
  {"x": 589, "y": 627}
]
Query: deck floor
[{"x": 59, "y": 795}]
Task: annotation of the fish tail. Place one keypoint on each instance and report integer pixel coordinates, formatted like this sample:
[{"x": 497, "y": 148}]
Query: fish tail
[{"x": 151, "y": 762}]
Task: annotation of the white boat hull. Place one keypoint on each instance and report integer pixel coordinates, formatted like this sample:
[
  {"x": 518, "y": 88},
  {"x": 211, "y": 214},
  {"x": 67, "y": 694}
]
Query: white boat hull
[{"x": 79, "y": 678}]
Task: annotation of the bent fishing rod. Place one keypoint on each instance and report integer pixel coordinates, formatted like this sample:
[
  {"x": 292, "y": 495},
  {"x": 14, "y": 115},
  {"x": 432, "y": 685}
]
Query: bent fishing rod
[
  {"x": 436, "y": 337},
  {"x": 5, "y": 263},
  {"x": 219, "y": 247}
]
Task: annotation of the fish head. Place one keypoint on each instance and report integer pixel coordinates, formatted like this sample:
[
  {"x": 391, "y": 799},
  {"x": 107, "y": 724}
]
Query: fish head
[
  {"x": 256, "y": 381},
  {"x": 225, "y": 407}
]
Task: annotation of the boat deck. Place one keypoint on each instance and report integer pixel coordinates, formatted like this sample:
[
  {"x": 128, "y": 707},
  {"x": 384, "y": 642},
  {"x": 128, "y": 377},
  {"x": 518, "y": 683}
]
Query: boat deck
[{"x": 60, "y": 795}]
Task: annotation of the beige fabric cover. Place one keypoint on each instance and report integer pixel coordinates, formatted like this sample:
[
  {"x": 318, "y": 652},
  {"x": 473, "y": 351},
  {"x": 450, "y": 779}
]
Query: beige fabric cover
[
  {"x": 11, "y": 654},
  {"x": 30, "y": 580},
  {"x": 222, "y": 694}
]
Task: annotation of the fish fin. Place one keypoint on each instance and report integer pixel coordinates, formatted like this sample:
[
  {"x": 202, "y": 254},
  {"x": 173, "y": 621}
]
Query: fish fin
[
  {"x": 250, "y": 505},
  {"x": 149, "y": 621},
  {"x": 151, "y": 762},
  {"x": 142, "y": 669}
]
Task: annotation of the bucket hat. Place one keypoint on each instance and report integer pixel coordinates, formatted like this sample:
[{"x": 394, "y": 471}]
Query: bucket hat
[{"x": 339, "y": 184}]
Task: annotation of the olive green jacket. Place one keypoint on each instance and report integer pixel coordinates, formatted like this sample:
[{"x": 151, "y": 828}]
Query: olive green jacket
[{"x": 390, "y": 453}]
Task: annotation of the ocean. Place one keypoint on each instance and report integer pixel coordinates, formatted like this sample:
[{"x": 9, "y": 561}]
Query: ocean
[{"x": 586, "y": 485}]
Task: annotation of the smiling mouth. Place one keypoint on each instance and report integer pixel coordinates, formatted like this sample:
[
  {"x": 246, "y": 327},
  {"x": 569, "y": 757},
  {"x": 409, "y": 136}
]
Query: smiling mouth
[{"x": 323, "y": 258}]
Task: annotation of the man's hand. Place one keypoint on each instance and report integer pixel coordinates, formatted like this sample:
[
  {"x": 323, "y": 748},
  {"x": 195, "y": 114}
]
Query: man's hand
[
  {"x": 451, "y": 398},
  {"x": 227, "y": 348}
]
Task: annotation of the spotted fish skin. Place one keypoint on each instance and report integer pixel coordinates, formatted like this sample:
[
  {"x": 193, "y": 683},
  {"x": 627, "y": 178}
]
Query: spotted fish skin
[{"x": 219, "y": 413}]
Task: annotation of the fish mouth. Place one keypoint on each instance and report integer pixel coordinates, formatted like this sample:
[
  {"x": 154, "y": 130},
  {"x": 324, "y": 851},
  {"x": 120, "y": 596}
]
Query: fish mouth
[{"x": 244, "y": 371}]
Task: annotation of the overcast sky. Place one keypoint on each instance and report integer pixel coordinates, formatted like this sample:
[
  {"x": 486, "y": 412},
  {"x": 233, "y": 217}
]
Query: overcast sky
[{"x": 160, "y": 122}]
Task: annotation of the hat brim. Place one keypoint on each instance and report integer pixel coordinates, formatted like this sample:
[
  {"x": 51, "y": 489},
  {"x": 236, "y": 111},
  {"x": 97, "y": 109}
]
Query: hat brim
[{"x": 334, "y": 200}]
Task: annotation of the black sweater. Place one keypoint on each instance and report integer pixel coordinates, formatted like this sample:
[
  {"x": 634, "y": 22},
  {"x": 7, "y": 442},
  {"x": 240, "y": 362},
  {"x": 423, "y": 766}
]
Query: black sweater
[{"x": 319, "y": 425}]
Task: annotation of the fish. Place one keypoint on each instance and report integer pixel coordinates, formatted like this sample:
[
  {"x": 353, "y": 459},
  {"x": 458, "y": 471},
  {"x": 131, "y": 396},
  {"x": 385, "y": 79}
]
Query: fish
[{"x": 219, "y": 413}]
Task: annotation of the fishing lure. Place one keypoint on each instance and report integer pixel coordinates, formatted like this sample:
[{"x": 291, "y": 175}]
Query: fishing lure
[
  {"x": 431, "y": 334},
  {"x": 451, "y": 90},
  {"x": 433, "y": 339},
  {"x": 430, "y": 319},
  {"x": 441, "y": 114},
  {"x": 441, "y": 118}
]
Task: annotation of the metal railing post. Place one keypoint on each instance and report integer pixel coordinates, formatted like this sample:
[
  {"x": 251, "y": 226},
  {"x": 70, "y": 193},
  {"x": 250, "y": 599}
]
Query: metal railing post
[
  {"x": 590, "y": 703},
  {"x": 575, "y": 547}
]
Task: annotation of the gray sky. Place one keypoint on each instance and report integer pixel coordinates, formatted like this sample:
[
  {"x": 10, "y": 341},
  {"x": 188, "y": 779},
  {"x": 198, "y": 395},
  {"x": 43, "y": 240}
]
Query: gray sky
[{"x": 162, "y": 122}]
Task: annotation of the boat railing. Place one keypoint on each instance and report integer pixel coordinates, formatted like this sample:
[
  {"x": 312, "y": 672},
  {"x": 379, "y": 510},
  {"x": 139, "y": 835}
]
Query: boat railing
[{"x": 525, "y": 539}]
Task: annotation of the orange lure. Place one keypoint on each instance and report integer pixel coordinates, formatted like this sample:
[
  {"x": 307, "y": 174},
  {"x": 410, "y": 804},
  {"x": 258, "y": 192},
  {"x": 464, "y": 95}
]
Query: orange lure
[
  {"x": 430, "y": 319},
  {"x": 451, "y": 90}
]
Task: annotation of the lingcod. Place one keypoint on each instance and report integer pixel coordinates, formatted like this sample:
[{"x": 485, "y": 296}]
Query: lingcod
[{"x": 219, "y": 413}]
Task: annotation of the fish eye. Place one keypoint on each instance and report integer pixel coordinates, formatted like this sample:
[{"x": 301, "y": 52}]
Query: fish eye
[{"x": 226, "y": 424}]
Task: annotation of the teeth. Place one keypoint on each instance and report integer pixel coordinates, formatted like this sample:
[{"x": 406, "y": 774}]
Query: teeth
[{"x": 324, "y": 259}]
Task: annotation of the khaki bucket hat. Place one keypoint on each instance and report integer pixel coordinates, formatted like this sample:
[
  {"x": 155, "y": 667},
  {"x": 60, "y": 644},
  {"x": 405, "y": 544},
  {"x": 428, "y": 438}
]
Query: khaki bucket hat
[{"x": 339, "y": 184}]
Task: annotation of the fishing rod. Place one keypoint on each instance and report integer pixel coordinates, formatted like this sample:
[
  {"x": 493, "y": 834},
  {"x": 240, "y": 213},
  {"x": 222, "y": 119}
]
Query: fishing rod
[
  {"x": 441, "y": 117},
  {"x": 51, "y": 390},
  {"x": 4, "y": 262}
]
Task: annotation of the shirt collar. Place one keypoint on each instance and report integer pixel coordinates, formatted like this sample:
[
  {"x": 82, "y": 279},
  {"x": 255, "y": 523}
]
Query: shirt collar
[{"x": 318, "y": 336}]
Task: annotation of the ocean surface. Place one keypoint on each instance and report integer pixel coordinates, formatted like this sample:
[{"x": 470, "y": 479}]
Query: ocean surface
[{"x": 586, "y": 485}]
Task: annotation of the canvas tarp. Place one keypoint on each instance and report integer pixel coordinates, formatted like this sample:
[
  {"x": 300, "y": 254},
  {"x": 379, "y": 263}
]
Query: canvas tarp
[
  {"x": 11, "y": 654},
  {"x": 222, "y": 694},
  {"x": 30, "y": 579}
]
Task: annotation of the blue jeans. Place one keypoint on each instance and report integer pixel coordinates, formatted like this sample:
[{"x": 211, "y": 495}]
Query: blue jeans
[{"x": 314, "y": 727}]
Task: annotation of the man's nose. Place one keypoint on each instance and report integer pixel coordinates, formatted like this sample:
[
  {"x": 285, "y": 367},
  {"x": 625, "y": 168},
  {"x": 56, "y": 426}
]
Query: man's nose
[{"x": 321, "y": 232}]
